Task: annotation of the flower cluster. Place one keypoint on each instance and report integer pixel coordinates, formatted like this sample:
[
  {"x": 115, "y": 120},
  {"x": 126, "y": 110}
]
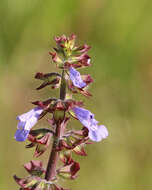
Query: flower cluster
[{"x": 69, "y": 58}]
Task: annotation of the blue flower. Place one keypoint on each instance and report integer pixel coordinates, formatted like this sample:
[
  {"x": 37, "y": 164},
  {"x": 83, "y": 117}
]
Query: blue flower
[
  {"x": 76, "y": 78},
  {"x": 26, "y": 122},
  {"x": 96, "y": 132}
]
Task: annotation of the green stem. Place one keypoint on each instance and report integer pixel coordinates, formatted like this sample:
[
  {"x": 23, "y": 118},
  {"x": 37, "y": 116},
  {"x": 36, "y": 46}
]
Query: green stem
[
  {"x": 63, "y": 86},
  {"x": 53, "y": 159}
]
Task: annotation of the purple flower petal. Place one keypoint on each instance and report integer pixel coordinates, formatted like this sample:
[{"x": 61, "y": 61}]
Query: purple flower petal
[
  {"x": 33, "y": 112},
  {"x": 96, "y": 133},
  {"x": 26, "y": 122},
  {"x": 76, "y": 78},
  {"x": 21, "y": 134},
  {"x": 85, "y": 117},
  {"x": 25, "y": 116}
]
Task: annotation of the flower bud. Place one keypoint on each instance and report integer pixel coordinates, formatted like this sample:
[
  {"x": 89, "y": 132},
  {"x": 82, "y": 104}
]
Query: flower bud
[{"x": 56, "y": 59}]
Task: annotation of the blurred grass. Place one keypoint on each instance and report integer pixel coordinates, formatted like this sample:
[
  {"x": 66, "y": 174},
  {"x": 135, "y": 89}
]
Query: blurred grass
[{"x": 120, "y": 35}]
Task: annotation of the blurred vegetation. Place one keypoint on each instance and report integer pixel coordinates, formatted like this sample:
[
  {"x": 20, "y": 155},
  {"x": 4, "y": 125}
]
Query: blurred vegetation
[{"x": 120, "y": 35}]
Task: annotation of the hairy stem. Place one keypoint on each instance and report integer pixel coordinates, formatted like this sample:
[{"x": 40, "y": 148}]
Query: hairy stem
[
  {"x": 53, "y": 159},
  {"x": 63, "y": 86},
  {"x": 51, "y": 168}
]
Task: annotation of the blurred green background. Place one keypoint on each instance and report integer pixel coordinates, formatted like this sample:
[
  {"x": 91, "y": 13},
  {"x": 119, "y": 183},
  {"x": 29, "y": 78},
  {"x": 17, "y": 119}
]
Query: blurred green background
[{"x": 120, "y": 35}]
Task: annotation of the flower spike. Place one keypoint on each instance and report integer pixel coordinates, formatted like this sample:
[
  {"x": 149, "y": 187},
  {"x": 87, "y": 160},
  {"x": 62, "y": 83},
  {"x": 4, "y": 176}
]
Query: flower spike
[{"x": 64, "y": 141}]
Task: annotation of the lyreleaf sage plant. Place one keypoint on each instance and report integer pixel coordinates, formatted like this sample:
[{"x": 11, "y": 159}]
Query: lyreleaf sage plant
[{"x": 68, "y": 58}]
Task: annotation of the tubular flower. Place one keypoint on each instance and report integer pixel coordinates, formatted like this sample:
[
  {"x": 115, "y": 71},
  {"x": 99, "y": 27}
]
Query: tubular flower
[
  {"x": 96, "y": 133},
  {"x": 76, "y": 78},
  {"x": 26, "y": 122}
]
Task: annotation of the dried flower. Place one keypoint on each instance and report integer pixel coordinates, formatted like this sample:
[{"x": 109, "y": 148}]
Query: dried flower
[
  {"x": 52, "y": 79},
  {"x": 39, "y": 138}
]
